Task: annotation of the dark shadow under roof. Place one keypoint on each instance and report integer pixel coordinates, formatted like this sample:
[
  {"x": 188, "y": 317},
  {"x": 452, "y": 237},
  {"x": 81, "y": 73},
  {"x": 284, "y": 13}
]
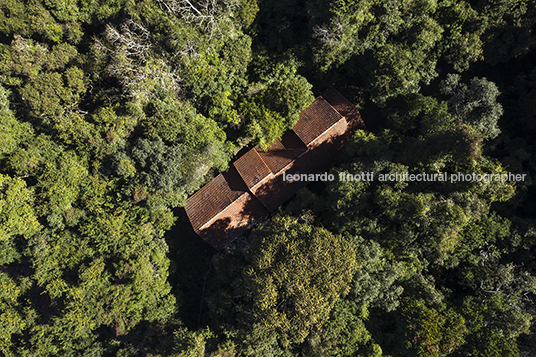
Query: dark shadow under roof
[
  {"x": 283, "y": 152},
  {"x": 233, "y": 221}
]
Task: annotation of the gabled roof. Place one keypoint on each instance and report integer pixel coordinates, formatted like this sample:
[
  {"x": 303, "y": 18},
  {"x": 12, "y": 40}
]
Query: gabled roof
[
  {"x": 252, "y": 168},
  {"x": 283, "y": 152},
  {"x": 233, "y": 221},
  {"x": 315, "y": 120},
  {"x": 276, "y": 191},
  {"x": 226, "y": 207},
  {"x": 345, "y": 107},
  {"x": 214, "y": 197},
  {"x": 338, "y": 102}
]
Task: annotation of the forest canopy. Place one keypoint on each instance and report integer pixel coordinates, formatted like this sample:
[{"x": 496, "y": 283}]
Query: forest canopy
[{"x": 113, "y": 113}]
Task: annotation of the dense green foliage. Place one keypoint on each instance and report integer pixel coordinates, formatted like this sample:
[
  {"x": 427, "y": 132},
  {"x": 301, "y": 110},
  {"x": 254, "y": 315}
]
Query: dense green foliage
[{"x": 113, "y": 112}]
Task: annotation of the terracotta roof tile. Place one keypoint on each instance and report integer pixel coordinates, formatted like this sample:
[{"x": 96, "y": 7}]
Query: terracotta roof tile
[
  {"x": 317, "y": 160},
  {"x": 345, "y": 107},
  {"x": 226, "y": 207},
  {"x": 214, "y": 197},
  {"x": 281, "y": 153},
  {"x": 233, "y": 221},
  {"x": 276, "y": 191},
  {"x": 251, "y": 168},
  {"x": 355, "y": 121},
  {"x": 337, "y": 129},
  {"x": 315, "y": 119},
  {"x": 338, "y": 101}
]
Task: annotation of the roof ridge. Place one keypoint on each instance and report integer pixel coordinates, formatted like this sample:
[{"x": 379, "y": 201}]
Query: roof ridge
[{"x": 255, "y": 184}]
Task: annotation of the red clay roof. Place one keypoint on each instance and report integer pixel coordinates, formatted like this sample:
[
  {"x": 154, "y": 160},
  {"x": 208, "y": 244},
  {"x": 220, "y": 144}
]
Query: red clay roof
[
  {"x": 315, "y": 119},
  {"x": 345, "y": 107},
  {"x": 252, "y": 168},
  {"x": 276, "y": 191},
  {"x": 233, "y": 221},
  {"x": 316, "y": 160},
  {"x": 283, "y": 152},
  {"x": 338, "y": 101},
  {"x": 214, "y": 197},
  {"x": 254, "y": 186}
]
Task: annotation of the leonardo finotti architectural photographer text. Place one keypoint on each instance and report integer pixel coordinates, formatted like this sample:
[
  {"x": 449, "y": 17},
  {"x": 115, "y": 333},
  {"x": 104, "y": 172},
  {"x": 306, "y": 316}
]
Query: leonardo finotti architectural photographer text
[{"x": 405, "y": 176}]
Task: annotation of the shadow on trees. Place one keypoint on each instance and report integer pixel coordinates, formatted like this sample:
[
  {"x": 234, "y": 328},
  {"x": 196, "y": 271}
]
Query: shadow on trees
[{"x": 190, "y": 260}]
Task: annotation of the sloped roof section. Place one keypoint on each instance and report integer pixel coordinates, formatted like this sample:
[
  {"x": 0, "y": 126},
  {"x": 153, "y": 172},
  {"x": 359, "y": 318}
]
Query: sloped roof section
[
  {"x": 258, "y": 182},
  {"x": 278, "y": 190},
  {"x": 338, "y": 101},
  {"x": 315, "y": 120},
  {"x": 214, "y": 197},
  {"x": 345, "y": 107},
  {"x": 233, "y": 221},
  {"x": 283, "y": 152},
  {"x": 252, "y": 168}
]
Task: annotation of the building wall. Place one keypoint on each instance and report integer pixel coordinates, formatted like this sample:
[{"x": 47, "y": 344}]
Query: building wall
[{"x": 332, "y": 133}]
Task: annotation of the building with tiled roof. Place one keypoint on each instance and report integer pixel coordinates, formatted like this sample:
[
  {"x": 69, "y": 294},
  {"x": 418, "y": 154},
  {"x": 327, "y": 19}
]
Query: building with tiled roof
[{"x": 254, "y": 186}]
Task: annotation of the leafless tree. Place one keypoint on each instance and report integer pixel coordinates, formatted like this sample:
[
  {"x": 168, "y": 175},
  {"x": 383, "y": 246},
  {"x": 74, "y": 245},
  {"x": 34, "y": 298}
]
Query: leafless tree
[
  {"x": 128, "y": 49},
  {"x": 331, "y": 33},
  {"x": 133, "y": 39},
  {"x": 207, "y": 14}
]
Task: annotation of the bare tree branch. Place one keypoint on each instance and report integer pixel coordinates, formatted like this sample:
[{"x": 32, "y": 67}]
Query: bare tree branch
[
  {"x": 128, "y": 49},
  {"x": 209, "y": 14}
]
